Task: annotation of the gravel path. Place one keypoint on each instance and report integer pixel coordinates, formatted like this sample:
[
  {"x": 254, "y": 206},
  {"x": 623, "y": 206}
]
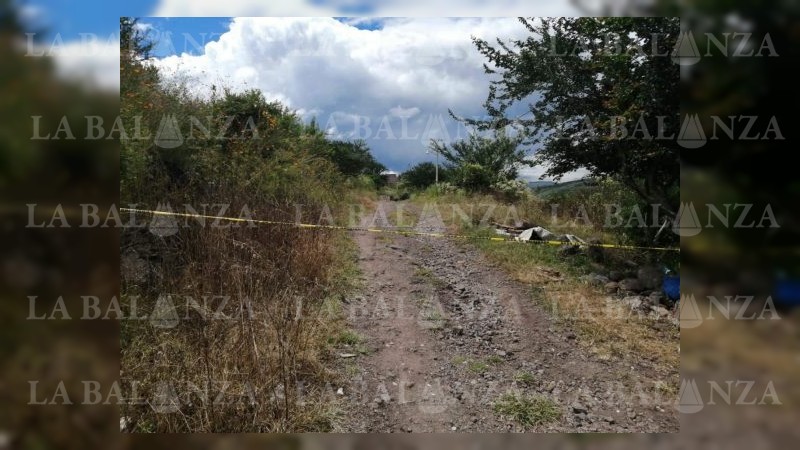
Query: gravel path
[{"x": 446, "y": 335}]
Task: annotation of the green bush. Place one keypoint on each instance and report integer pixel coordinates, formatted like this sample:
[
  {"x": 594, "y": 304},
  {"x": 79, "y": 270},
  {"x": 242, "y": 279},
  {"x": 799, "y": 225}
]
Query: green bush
[
  {"x": 423, "y": 175},
  {"x": 512, "y": 190},
  {"x": 474, "y": 177}
]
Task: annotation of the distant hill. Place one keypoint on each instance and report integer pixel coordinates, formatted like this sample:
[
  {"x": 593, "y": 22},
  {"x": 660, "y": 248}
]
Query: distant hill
[
  {"x": 547, "y": 188},
  {"x": 540, "y": 184}
]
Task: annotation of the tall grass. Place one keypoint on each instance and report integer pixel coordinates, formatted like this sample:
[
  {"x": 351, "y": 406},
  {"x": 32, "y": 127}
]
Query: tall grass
[{"x": 238, "y": 315}]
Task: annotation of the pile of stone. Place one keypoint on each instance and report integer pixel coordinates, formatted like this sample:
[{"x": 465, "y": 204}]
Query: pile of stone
[{"x": 640, "y": 291}]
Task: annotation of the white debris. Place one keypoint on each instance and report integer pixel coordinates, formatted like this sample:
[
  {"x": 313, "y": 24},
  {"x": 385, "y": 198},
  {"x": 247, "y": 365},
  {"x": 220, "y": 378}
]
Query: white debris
[{"x": 537, "y": 233}]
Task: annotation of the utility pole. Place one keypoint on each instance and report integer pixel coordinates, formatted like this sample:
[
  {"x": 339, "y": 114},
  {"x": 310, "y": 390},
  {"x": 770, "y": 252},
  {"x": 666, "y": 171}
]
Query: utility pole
[
  {"x": 437, "y": 165},
  {"x": 437, "y": 170}
]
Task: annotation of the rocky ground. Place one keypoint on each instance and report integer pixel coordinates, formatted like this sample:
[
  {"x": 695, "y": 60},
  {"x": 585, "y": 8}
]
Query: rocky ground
[{"x": 445, "y": 336}]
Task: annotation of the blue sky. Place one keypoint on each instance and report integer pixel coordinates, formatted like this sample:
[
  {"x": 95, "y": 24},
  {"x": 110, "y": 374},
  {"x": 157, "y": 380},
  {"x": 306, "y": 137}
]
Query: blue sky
[
  {"x": 71, "y": 17},
  {"x": 184, "y": 34},
  {"x": 378, "y": 70}
]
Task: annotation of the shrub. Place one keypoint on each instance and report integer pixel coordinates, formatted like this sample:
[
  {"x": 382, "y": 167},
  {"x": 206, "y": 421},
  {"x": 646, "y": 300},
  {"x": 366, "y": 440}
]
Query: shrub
[
  {"x": 512, "y": 190},
  {"x": 528, "y": 411}
]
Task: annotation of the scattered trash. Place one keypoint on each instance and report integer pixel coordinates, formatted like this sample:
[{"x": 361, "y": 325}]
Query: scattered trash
[
  {"x": 502, "y": 232},
  {"x": 347, "y": 355},
  {"x": 538, "y": 234},
  {"x": 671, "y": 285},
  {"x": 572, "y": 239},
  {"x": 787, "y": 292},
  {"x": 124, "y": 423}
]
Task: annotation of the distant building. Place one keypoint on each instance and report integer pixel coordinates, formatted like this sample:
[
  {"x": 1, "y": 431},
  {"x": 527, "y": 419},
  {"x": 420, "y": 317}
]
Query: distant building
[{"x": 390, "y": 177}]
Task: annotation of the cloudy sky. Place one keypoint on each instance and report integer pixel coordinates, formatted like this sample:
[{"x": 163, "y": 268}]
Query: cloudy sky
[{"x": 390, "y": 81}]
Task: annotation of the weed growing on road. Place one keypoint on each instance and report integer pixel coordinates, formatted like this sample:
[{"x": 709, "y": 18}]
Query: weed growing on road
[
  {"x": 525, "y": 378},
  {"x": 346, "y": 337},
  {"x": 478, "y": 367},
  {"x": 528, "y": 411}
]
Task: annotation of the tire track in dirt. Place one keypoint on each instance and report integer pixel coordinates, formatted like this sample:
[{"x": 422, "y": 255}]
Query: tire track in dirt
[{"x": 448, "y": 335}]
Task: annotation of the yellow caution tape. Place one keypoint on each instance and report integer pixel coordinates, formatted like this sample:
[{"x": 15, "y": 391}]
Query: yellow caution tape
[{"x": 401, "y": 232}]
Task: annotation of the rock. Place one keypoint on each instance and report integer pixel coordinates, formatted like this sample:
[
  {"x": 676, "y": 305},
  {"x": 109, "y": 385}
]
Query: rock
[
  {"x": 656, "y": 298},
  {"x": 616, "y": 275},
  {"x": 650, "y": 277},
  {"x": 630, "y": 285},
  {"x": 659, "y": 312},
  {"x": 340, "y": 391},
  {"x": 611, "y": 287},
  {"x": 633, "y": 301},
  {"x": 568, "y": 250},
  {"x": 595, "y": 279},
  {"x": 595, "y": 253},
  {"x": 570, "y": 336},
  {"x": 501, "y": 353},
  {"x": 382, "y": 400},
  {"x": 578, "y": 408}
]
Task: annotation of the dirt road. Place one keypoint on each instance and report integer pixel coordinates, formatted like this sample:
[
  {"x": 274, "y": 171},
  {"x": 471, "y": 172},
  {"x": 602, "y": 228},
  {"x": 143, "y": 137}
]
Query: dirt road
[{"x": 446, "y": 336}]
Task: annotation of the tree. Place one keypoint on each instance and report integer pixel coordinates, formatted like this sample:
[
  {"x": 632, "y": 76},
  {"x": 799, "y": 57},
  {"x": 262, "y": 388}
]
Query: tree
[
  {"x": 354, "y": 159},
  {"x": 599, "y": 90},
  {"x": 133, "y": 42},
  {"x": 423, "y": 175},
  {"x": 479, "y": 161}
]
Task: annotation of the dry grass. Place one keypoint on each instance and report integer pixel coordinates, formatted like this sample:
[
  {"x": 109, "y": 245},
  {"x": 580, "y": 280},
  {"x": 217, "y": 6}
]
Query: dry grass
[
  {"x": 605, "y": 327},
  {"x": 262, "y": 368},
  {"x": 460, "y": 212}
]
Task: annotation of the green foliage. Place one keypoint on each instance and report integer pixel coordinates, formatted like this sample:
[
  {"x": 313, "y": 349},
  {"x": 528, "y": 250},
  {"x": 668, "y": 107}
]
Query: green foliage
[
  {"x": 479, "y": 161},
  {"x": 397, "y": 193},
  {"x": 354, "y": 159},
  {"x": 512, "y": 190},
  {"x": 362, "y": 182},
  {"x": 423, "y": 175},
  {"x": 474, "y": 177},
  {"x": 574, "y": 80},
  {"x": 239, "y": 150},
  {"x": 528, "y": 411},
  {"x": 133, "y": 42},
  {"x": 446, "y": 189}
]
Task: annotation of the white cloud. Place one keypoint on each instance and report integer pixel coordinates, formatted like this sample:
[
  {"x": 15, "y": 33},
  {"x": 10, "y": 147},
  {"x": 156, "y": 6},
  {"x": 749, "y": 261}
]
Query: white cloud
[
  {"x": 385, "y": 8},
  {"x": 92, "y": 63},
  {"x": 401, "y": 112},
  {"x": 392, "y": 86},
  {"x": 143, "y": 27},
  {"x": 397, "y": 82},
  {"x": 536, "y": 173}
]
